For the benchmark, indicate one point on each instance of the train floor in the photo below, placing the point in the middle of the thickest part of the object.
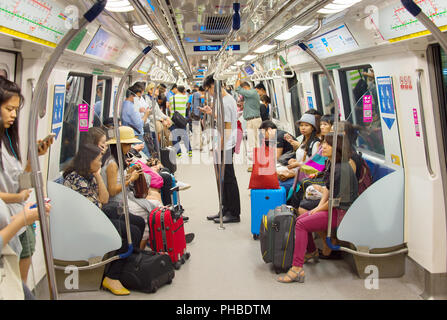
(227, 264)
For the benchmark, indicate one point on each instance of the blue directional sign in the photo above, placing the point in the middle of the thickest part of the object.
(310, 102)
(386, 98)
(58, 109)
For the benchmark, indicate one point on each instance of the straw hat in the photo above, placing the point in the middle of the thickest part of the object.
(127, 135)
(150, 86)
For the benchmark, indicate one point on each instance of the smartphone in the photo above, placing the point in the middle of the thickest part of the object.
(34, 206)
(47, 138)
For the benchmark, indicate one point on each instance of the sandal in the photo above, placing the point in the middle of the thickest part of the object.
(314, 255)
(299, 277)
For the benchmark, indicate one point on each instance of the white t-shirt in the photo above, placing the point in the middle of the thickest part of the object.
(230, 110)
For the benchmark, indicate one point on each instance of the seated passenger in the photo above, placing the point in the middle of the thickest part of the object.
(83, 175)
(271, 132)
(317, 219)
(9, 228)
(306, 147)
(112, 179)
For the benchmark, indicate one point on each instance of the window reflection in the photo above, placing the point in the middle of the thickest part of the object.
(361, 91)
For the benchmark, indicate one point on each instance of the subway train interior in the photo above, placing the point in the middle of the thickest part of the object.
(383, 62)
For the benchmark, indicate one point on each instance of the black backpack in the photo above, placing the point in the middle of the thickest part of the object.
(360, 88)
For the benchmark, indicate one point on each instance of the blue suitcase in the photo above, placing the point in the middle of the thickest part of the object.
(263, 200)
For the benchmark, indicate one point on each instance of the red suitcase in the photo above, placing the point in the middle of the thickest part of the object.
(167, 233)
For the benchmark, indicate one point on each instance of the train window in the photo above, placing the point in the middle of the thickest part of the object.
(78, 89)
(102, 101)
(323, 92)
(357, 84)
(270, 87)
(438, 61)
(294, 91)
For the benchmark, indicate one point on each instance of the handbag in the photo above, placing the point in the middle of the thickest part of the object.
(140, 187)
(179, 120)
(11, 287)
(264, 174)
(284, 158)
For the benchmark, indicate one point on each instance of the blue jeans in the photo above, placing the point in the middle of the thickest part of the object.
(180, 135)
(288, 184)
(145, 150)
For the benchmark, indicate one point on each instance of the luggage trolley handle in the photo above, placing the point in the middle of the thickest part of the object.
(177, 210)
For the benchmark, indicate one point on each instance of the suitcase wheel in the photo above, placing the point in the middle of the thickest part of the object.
(255, 236)
(183, 260)
(177, 265)
(169, 282)
(187, 255)
(277, 271)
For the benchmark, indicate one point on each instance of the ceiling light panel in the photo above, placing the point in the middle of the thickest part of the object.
(338, 6)
(264, 48)
(145, 32)
(119, 6)
(249, 57)
(290, 33)
(162, 49)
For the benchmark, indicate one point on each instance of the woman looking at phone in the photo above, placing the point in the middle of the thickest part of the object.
(112, 179)
(11, 101)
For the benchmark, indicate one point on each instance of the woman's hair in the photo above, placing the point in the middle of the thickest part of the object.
(81, 163)
(329, 118)
(343, 150)
(114, 152)
(94, 135)
(266, 99)
(10, 136)
(351, 133)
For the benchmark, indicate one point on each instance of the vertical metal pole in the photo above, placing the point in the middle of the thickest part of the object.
(39, 100)
(154, 101)
(119, 149)
(334, 146)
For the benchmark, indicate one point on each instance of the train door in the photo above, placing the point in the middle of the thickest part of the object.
(294, 92)
(78, 92)
(8, 65)
(323, 94)
(376, 218)
(102, 101)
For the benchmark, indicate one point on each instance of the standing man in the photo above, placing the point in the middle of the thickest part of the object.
(178, 103)
(252, 115)
(162, 120)
(195, 115)
(132, 118)
(231, 199)
(169, 95)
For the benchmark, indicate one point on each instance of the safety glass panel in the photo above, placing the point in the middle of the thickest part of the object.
(76, 90)
(325, 98)
(361, 103)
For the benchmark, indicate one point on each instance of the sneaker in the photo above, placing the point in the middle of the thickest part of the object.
(183, 186)
(179, 155)
(190, 154)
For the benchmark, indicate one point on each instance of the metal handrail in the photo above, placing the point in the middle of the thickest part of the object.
(36, 174)
(333, 161)
(119, 149)
(423, 124)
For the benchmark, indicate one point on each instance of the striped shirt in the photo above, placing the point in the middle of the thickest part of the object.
(178, 103)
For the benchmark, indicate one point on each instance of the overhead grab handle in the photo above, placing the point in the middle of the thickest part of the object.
(417, 12)
(284, 75)
(39, 99)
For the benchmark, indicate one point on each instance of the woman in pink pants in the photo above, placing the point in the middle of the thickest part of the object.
(345, 188)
